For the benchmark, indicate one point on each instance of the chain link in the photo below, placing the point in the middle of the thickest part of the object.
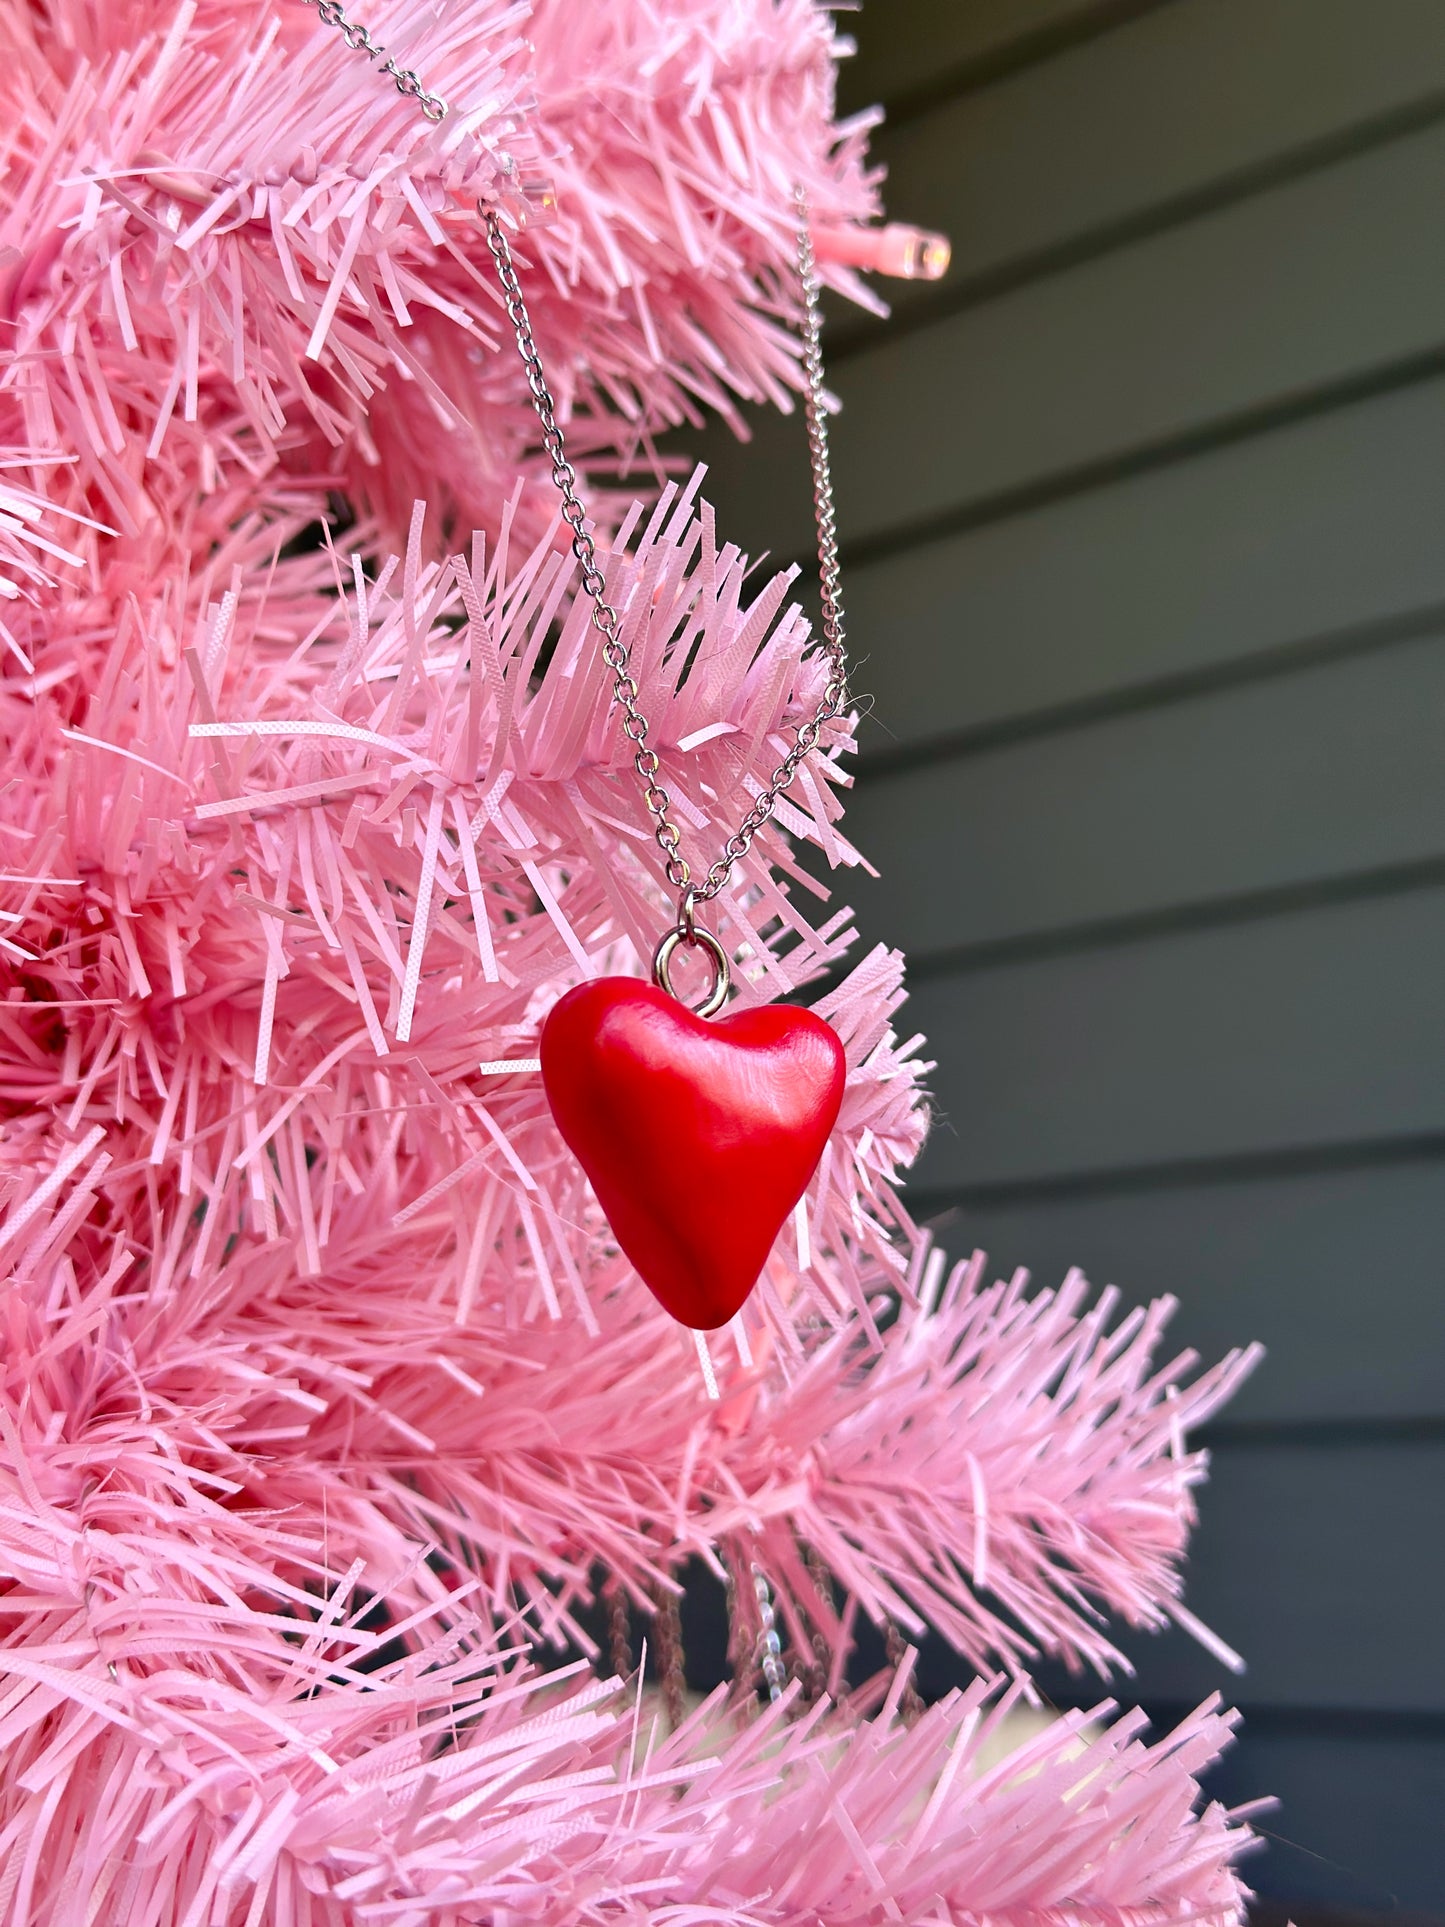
(605, 618)
(770, 1643)
(619, 1633)
(911, 1707)
(358, 38)
(671, 1661)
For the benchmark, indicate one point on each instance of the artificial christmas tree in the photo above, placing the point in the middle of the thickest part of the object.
(330, 1407)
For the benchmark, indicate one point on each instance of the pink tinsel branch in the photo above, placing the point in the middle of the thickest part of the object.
(184, 1747)
(323, 1389)
(357, 880)
(228, 270)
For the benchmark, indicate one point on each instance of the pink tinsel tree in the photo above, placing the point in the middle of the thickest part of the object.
(328, 1413)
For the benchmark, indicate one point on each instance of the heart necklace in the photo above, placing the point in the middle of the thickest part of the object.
(698, 1137)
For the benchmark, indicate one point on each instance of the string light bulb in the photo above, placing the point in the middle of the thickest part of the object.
(897, 249)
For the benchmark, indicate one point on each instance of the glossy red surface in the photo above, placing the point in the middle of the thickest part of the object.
(698, 1137)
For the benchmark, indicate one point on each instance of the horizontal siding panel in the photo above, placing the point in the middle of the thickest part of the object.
(1189, 96)
(907, 44)
(1166, 608)
(1279, 783)
(1335, 1272)
(1297, 288)
(1307, 532)
(1315, 1029)
(1323, 1568)
(1358, 1825)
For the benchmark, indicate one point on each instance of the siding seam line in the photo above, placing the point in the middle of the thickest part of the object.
(936, 1204)
(1230, 189)
(1015, 56)
(1144, 458)
(1178, 919)
(1292, 657)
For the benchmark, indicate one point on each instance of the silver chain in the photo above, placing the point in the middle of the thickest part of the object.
(825, 517)
(359, 39)
(605, 619)
(770, 1644)
(608, 623)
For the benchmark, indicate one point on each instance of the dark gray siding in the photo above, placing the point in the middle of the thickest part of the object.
(1145, 521)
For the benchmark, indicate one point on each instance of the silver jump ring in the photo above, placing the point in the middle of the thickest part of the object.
(696, 940)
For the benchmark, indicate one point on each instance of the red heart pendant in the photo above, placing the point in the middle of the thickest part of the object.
(698, 1137)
